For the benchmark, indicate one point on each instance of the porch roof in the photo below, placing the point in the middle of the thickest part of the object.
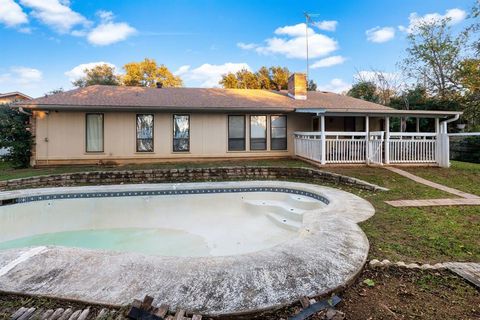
(380, 113)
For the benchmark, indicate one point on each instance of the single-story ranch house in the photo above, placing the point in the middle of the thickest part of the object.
(118, 124)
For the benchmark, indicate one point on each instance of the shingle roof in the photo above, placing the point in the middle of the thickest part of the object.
(120, 97)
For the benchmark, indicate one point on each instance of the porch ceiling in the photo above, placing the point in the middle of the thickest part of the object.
(380, 113)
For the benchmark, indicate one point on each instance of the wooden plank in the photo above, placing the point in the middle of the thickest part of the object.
(305, 302)
(162, 310)
(316, 307)
(84, 314)
(18, 313)
(147, 303)
(26, 315)
(47, 314)
(180, 314)
(68, 312)
(57, 314)
(140, 314)
(75, 315)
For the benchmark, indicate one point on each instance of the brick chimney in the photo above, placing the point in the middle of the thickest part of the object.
(297, 86)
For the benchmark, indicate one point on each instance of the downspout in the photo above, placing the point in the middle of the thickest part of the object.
(443, 124)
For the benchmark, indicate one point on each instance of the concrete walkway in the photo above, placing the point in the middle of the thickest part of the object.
(466, 199)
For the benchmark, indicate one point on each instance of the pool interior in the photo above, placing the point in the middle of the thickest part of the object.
(190, 224)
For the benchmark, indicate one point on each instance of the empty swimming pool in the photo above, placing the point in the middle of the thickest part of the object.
(216, 248)
(192, 222)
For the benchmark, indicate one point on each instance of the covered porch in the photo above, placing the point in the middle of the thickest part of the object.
(366, 137)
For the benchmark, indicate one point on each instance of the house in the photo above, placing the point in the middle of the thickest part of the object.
(118, 124)
(11, 97)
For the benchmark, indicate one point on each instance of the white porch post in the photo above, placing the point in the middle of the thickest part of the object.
(438, 147)
(387, 140)
(418, 125)
(323, 142)
(367, 138)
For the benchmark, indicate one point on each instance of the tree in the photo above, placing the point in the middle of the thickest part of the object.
(54, 91)
(273, 78)
(312, 86)
(469, 78)
(100, 74)
(247, 80)
(15, 136)
(279, 78)
(433, 57)
(365, 90)
(229, 81)
(147, 73)
(264, 78)
(473, 29)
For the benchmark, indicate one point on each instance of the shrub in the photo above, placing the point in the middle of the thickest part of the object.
(15, 136)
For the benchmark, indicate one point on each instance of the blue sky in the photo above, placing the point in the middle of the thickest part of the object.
(46, 42)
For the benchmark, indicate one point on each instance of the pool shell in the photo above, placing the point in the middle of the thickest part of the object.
(327, 252)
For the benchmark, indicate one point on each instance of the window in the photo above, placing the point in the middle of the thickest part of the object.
(278, 137)
(236, 133)
(258, 132)
(144, 132)
(181, 133)
(94, 132)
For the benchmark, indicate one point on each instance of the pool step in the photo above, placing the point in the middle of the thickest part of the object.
(303, 202)
(284, 222)
(280, 208)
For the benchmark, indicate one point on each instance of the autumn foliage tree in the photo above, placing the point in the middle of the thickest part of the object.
(273, 78)
(147, 73)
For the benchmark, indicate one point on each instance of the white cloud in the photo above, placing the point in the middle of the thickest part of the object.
(110, 32)
(326, 25)
(79, 71)
(247, 46)
(328, 62)
(56, 14)
(292, 44)
(208, 75)
(11, 14)
(335, 85)
(22, 76)
(380, 35)
(454, 15)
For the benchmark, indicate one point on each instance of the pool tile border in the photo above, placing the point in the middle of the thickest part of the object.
(114, 194)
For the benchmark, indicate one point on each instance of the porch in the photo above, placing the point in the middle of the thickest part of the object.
(380, 147)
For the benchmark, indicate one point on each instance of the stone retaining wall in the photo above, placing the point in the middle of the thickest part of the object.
(184, 175)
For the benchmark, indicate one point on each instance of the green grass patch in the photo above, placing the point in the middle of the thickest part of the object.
(428, 234)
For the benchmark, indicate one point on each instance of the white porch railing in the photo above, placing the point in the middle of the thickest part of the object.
(414, 147)
(308, 145)
(345, 147)
(362, 147)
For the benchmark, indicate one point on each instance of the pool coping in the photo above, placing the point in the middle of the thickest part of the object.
(344, 209)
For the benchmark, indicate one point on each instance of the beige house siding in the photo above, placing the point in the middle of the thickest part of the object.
(60, 138)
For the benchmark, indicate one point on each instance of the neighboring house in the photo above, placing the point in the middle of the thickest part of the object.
(11, 97)
(117, 125)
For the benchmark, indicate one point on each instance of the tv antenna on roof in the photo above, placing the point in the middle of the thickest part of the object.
(308, 19)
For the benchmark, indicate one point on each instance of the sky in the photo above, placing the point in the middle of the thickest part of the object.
(46, 44)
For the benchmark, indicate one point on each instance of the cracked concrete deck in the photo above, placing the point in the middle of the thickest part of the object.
(327, 253)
